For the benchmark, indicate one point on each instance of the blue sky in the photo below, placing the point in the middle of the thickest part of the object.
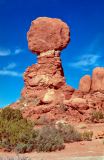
(85, 51)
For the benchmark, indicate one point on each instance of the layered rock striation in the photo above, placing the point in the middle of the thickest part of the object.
(45, 79)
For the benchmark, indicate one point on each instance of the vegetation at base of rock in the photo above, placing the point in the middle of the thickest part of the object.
(96, 116)
(69, 133)
(49, 139)
(10, 114)
(16, 133)
(87, 135)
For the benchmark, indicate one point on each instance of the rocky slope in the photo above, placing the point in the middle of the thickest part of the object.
(45, 96)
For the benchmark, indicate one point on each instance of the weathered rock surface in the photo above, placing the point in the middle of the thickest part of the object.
(85, 83)
(45, 80)
(47, 34)
(98, 79)
(46, 103)
(45, 96)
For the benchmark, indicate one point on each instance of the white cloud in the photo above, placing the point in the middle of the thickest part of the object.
(10, 66)
(91, 56)
(86, 61)
(10, 73)
(18, 50)
(5, 52)
(8, 52)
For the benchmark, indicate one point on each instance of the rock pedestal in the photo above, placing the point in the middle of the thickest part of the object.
(45, 79)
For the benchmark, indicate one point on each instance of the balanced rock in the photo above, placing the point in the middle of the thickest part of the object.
(98, 79)
(45, 80)
(45, 89)
(47, 34)
(45, 95)
(85, 83)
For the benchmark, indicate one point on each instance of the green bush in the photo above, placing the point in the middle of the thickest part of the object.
(16, 133)
(87, 135)
(49, 139)
(96, 116)
(69, 133)
(10, 114)
(21, 148)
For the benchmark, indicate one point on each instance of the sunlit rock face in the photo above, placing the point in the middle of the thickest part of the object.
(46, 96)
(85, 84)
(46, 37)
(47, 34)
(98, 79)
(46, 78)
(44, 82)
(94, 83)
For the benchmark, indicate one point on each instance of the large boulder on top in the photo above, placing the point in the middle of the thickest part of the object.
(47, 34)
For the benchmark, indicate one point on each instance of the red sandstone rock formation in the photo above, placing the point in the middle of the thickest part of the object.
(94, 84)
(85, 83)
(45, 89)
(45, 96)
(98, 79)
(47, 34)
(45, 80)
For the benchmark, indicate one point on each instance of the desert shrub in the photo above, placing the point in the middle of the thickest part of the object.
(49, 139)
(69, 133)
(10, 114)
(96, 116)
(87, 135)
(24, 147)
(16, 133)
(21, 147)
